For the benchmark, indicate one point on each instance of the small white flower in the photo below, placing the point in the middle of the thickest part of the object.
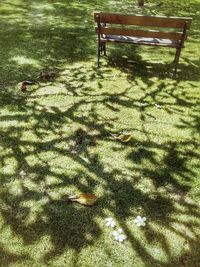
(74, 151)
(115, 233)
(140, 221)
(157, 105)
(110, 222)
(22, 173)
(143, 104)
(119, 236)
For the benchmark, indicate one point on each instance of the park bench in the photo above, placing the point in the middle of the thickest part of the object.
(118, 28)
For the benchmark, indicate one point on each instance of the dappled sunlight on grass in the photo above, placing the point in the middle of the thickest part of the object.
(21, 60)
(150, 175)
(56, 140)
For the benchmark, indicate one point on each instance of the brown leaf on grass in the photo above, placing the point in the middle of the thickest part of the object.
(86, 199)
(23, 85)
(124, 138)
(47, 75)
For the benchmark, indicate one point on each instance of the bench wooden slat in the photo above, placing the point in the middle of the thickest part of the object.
(141, 33)
(139, 42)
(168, 22)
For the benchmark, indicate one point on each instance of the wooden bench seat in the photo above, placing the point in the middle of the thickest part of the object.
(173, 31)
(140, 40)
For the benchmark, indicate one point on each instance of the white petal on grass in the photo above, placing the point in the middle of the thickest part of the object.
(118, 235)
(157, 105)
(115, 233)
(110, 222)
(140, 221)
(121, 238)
(22, 173)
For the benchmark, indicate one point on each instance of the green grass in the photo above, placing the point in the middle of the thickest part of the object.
(155, 175)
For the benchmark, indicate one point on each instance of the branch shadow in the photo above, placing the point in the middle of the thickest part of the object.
(57, 142)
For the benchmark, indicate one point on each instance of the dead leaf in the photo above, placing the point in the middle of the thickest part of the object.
(123, 137)
(86, 199)
(23, 85)
(47, 75)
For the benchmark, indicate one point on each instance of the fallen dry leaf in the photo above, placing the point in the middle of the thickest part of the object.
(86, 199)
(23, 85)
(47, 75)
(122, 137)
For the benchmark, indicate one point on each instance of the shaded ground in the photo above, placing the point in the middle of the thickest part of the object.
(55, 140)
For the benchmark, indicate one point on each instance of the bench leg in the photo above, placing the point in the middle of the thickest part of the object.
(104, 49)
(101, 50)
(176, 61)
(98, 55)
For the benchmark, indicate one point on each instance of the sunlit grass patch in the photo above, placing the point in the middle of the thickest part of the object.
(57, 140)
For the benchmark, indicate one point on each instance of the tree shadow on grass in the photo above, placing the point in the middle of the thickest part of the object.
(129, 60)
(33, 207)
(43, 38)
(51, 145)
(8, 258)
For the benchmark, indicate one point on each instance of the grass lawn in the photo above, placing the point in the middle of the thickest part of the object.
(55, 140)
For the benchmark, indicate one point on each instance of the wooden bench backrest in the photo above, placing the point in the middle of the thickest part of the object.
(140, 20)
